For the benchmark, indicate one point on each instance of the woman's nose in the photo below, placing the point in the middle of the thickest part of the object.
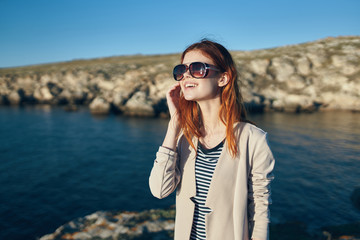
(187, 74)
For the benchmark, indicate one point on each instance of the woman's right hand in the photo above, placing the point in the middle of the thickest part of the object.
(173, 98)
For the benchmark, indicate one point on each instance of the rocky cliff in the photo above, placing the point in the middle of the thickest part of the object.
(320, 75)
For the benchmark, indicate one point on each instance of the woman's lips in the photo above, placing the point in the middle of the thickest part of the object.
(188, 85)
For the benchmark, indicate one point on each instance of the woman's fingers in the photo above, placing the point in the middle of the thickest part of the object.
(172, 97)
(174, 93)
(175, 89)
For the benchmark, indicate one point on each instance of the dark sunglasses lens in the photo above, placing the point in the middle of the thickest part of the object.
(179, 71)
(197, 70)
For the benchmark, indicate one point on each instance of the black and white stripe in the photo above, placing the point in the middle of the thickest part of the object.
(205, 164)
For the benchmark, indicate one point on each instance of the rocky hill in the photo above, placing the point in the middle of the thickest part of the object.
(320, 75)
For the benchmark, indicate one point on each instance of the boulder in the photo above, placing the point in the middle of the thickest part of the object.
(340, 101)
(161, 85)
(139, 105)
(106, 85)
(295, 82)
(43, 94)
(99, 106)
(14, 98)
(65, 97)
(344, 64)
(293, 103)
(79, 96)
(27, 84)
(69, 80)
(303, 66)
(259, 66)
(282, 69)
(119, 98)
(316, 60)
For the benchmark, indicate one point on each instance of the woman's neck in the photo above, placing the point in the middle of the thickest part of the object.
(214, 130)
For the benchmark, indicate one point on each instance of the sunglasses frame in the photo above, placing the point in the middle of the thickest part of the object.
(187, 67)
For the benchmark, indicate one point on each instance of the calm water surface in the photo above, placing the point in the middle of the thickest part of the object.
(56, 166)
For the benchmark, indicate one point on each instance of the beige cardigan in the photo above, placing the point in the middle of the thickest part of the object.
(239, 192)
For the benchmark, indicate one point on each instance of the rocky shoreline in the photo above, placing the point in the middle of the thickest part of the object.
(308, 77)
(149, 224)
(159, 224)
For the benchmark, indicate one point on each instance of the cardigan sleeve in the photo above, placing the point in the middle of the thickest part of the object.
(261, 167)
(165, 174)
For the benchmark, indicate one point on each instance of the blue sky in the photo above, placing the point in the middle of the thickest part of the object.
(43, 31)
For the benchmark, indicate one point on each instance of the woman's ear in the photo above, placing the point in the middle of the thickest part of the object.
(224, 79)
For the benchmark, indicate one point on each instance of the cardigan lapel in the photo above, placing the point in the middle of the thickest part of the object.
(216, 178)
(190, 169)
(223, 175)
(192, 161)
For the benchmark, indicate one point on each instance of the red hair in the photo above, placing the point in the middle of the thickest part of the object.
(231, 110)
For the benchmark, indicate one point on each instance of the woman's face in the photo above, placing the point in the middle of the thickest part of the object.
(200, 89)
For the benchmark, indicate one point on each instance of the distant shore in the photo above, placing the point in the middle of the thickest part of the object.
(316, 76)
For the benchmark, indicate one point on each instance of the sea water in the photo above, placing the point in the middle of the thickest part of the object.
(56, 166)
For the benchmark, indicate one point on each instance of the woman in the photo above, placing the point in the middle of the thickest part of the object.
(219, 163)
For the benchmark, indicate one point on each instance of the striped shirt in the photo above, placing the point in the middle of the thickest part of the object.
(205, 163)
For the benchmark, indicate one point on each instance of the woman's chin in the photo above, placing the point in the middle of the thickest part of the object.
(189, 97)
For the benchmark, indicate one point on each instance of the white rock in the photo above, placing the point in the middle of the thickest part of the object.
(70, 80)
(133, 75)
(93, 216)
(315, 59)
(333, 79)
(303, 66)
(43, 94)
(163, 82)
(344, 64)
(283, 69)
(351, 88)
(169, 225)
(65, 94)
(14, 98)
(274, 93)
(81, 236)
(26, 83)
(259, 66)
(44, 79)
(106, 85)
(297, 100)
(105, 233)
(153, 226)
(139, 105)
(120, 230)
(340, 101)
(99, 106)
(295, 82)
(310, 91)
(292, 103)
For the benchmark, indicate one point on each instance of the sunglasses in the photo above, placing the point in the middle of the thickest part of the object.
(196, 69)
